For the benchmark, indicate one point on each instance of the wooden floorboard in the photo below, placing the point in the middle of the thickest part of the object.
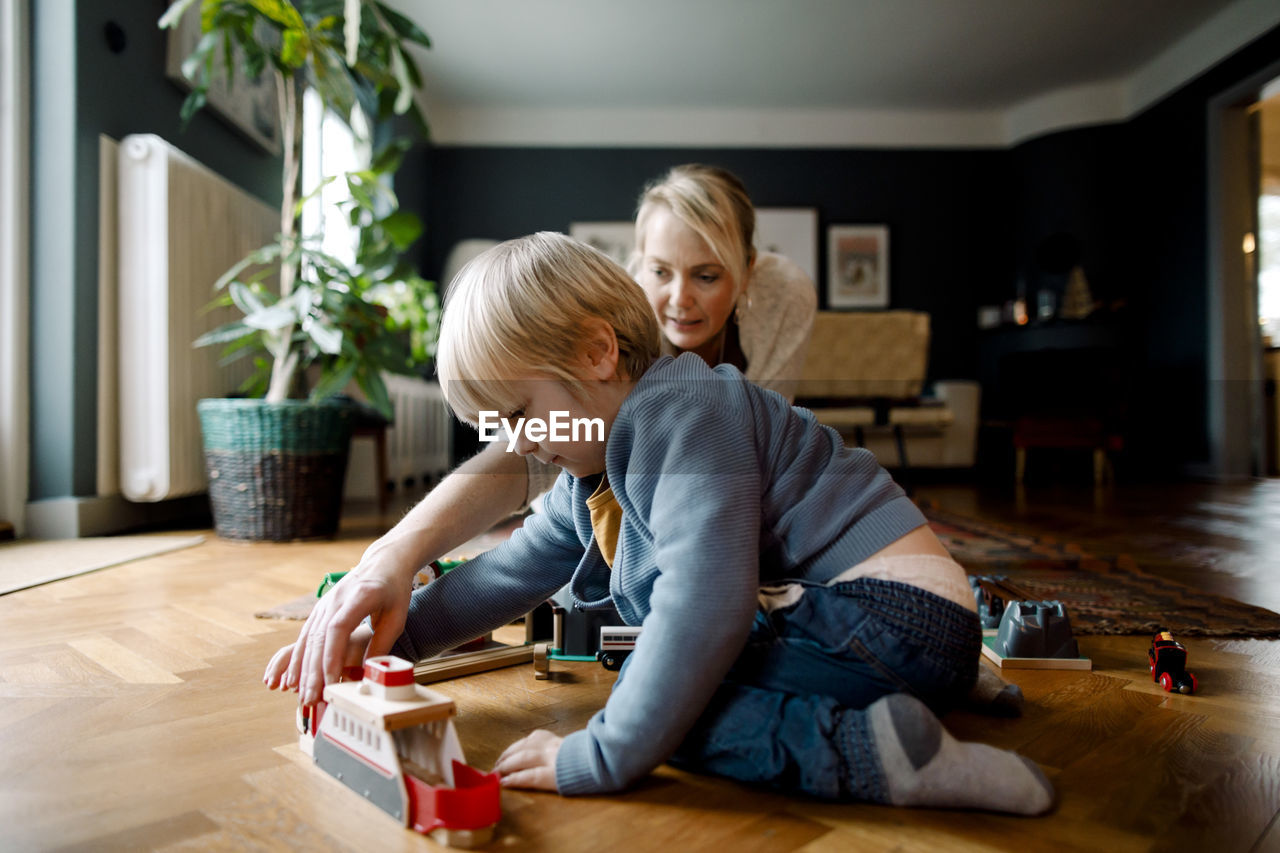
(132, 715)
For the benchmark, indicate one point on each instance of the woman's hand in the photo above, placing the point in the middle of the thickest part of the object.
(530, 762)
(352, 665)
(482, 491)
(376, 588)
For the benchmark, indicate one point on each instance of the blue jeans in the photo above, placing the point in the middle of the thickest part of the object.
(790, 713)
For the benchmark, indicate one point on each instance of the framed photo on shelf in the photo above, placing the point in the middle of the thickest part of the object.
(615, 239)
(858, 266)
(248, 105)
(791, 232)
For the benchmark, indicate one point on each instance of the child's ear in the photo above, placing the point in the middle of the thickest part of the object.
(599, 349)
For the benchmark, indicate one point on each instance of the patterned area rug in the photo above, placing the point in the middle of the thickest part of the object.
(1103, 594)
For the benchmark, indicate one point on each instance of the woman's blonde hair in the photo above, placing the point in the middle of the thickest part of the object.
(711, 201)
(522, 309)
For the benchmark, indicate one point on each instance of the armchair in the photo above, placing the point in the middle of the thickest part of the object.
(865, 374)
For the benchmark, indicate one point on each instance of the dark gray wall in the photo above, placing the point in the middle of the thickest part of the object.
(947, 211)
(81, 88)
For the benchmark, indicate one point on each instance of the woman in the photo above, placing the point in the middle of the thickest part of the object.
(721, 301)
(712, 295)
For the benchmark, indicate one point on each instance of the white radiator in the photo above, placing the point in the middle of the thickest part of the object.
(419, 445)
(181, 226)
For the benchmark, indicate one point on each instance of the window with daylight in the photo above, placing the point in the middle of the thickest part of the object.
(1268, 247)
(329, 147)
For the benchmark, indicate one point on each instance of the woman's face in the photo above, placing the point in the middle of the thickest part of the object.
(691, 292)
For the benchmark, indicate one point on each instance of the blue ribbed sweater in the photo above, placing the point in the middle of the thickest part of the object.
(723, 486)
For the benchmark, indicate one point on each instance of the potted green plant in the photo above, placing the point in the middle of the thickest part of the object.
(312, 323)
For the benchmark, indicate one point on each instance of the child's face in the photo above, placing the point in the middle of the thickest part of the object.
(691, 292)
(541, 397)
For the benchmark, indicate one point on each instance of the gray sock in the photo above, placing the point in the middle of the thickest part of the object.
(991, 694)
(925, 766)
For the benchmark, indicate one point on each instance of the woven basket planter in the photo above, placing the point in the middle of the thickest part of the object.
(275, 469)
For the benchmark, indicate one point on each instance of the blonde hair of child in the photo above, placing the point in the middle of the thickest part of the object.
(520, 310)
(712, 202)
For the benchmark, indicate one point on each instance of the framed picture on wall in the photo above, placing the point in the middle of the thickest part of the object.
(615, 239)
(249, 105)
(858, 266)
(792, 232)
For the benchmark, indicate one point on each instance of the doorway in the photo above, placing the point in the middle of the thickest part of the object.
(1239, 410)
(1266, 247)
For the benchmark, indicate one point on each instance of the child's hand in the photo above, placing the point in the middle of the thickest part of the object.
(276, 667)
(530, 762)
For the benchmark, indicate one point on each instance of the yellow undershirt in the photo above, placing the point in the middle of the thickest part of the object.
(606, 519)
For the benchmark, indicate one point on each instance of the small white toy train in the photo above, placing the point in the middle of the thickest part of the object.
(616, 642)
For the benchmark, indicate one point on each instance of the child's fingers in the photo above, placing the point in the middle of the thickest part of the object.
(523, 767)
(513, 758)
(519, 756)
(276, 667)
(535, 778)
(538, 749)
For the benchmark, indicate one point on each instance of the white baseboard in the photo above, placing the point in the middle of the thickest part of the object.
(75, 518)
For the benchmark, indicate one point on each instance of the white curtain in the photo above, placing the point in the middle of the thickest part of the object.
(14, 404)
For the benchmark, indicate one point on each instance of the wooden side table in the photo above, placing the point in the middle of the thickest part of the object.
(1066, 433)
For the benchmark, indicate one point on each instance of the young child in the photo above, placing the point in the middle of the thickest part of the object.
(800, 619)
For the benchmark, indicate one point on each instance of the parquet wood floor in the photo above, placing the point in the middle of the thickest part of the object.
(132, 716)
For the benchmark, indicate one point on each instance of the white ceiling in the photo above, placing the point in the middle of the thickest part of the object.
(819, 72)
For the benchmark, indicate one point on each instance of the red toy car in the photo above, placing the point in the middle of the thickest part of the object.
(1168, 659)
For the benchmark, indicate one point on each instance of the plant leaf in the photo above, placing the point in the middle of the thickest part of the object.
(361, 194)
(302, 299)
(402, 227)
(223, 334)
(245, 299)
(199, 57)
(247, 344)
(327, 338)
(334, 378)
(174, 13)
(332, 80)
(294, 48)
(192, 105)
(388, 160)
(403, 27)
(256, 384)
(273, 318)
(265, 255)
(404, 97)
(280, 11)
(370, 382)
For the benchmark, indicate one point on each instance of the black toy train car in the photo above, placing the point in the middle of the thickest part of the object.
(1168, 660)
